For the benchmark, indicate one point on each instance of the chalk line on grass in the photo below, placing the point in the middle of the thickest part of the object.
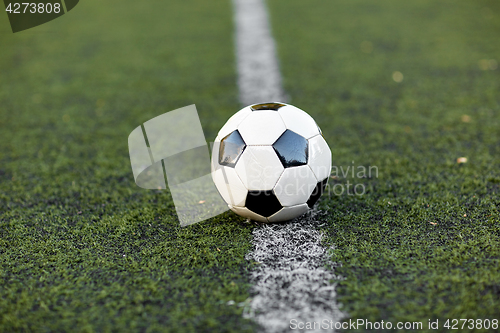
(259, 78)
(291, 280)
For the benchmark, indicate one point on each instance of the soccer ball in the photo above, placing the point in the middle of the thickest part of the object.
(270, 162)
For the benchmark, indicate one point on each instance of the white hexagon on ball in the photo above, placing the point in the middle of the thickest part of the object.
(289, 213)
(295, 185)
(299, 121)
(261, 128)
(234, 121)
(259, 168)
(230, 186)
(320, 157)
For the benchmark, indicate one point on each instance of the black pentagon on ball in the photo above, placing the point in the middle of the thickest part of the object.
(231, 148)
(267, 106)
(291, 149)
(263, 203)
(318, 191)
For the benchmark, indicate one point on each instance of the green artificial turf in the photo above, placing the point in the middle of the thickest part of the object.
(82, 248)
(423, 241)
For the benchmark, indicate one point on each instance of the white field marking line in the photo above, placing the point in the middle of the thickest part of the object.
(259, 78)
(291, 280)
